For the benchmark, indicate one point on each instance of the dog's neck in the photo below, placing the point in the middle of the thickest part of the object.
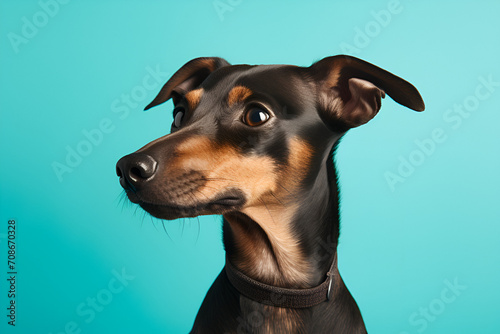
(288, 244)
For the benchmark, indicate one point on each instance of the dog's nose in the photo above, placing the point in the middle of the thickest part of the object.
(134, 169)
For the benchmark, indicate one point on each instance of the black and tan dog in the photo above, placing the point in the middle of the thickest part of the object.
(255, 144)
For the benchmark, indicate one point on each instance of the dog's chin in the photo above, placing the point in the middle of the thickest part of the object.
(228, 202)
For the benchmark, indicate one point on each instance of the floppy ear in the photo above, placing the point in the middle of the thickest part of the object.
(350, 91)
(187, 78)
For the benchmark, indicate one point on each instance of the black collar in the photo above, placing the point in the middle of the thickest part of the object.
(281, 297)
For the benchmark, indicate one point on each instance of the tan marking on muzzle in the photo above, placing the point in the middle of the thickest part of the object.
(238, 94)
(224, 168)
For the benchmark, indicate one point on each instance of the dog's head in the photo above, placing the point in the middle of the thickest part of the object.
(251, 136)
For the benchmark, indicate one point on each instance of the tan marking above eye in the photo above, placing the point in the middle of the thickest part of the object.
(238, 94)
(193, 98)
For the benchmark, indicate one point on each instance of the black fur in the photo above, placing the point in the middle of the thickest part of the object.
(293, 96)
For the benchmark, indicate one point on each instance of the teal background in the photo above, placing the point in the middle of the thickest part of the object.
(400, 248)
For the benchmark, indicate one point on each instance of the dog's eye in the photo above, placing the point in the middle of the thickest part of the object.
(256, 116)
(178, 115)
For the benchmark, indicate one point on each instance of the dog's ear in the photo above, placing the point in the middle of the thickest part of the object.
(187, 78)
(350, 91)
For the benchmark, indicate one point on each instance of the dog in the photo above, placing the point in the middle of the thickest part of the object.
(255, 144)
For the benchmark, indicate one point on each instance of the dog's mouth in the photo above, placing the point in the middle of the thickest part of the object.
(230, 200)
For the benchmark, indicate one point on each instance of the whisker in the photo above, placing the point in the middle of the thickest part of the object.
(199, 191)
(183, 223)
(166, 232)
(276, 197)
(199, 228)
(144, 214)
(122, 200)
(279, 184)
(263, 202)
(119, 197)
(218, 179)
(153, 223)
